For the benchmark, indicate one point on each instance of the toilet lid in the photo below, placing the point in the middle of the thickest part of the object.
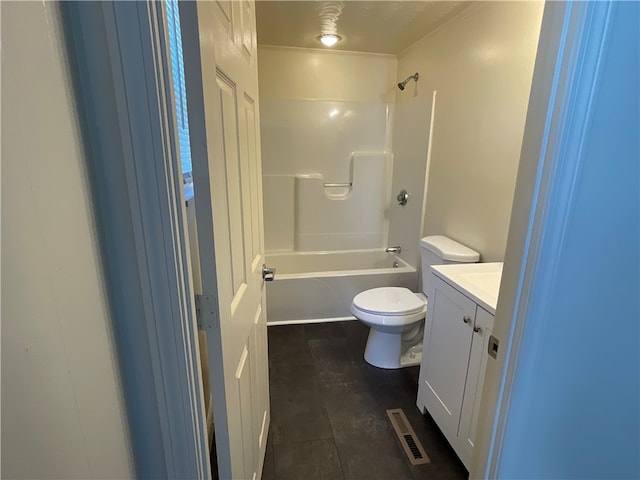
(389, 300)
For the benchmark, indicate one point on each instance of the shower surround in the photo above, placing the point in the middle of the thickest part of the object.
(327, 171)
(327, 123)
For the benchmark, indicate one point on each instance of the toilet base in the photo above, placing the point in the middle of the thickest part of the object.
(384, 350)
(411, 358)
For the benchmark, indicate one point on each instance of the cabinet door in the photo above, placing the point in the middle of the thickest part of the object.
(473, 389)
(447, 342)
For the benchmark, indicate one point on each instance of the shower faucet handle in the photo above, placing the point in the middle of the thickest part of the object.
(397, 249)
(403, 197)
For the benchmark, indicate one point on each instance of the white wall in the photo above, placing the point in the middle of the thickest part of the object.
(325, 118)
(62, 406)
(481, 65)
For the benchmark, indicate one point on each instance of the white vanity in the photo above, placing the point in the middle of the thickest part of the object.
(461, 308)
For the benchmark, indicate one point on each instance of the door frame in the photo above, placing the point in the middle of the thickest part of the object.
(573, 39)
(120, 63)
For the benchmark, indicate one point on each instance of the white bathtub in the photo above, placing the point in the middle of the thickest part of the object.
(319, 286)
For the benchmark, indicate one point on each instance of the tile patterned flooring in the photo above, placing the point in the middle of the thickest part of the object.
(328, 405)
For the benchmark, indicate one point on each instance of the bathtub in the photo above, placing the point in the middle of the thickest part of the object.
(314, 287)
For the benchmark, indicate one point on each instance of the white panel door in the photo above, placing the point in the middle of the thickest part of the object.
(447, 340)
(222, 97)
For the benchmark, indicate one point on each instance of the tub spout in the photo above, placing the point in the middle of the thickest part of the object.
(393, 249)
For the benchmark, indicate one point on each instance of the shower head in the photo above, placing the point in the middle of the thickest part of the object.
(401, 85)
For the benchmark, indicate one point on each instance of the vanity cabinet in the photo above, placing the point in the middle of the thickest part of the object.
(457, 329)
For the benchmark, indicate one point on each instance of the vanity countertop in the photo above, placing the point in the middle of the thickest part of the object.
(480, 281)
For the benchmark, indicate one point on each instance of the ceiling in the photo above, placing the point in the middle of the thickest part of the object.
(365, 26)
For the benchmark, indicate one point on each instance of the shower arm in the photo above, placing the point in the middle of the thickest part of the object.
(415, 77)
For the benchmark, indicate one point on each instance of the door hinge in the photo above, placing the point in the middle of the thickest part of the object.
(206, 311)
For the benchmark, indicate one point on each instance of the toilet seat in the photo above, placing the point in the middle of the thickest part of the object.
(389, 301)
(389, 306)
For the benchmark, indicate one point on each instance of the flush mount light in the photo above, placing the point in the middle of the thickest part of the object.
(329, 39)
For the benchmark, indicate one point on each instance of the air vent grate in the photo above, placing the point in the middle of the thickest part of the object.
(415, 451)
(407, 437)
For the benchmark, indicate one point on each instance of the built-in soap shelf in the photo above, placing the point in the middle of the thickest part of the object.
(332, 191)
(337, 191)
(360, 165)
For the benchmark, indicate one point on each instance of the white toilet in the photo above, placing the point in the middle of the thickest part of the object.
(395, 315)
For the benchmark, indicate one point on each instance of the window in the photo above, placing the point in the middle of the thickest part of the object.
(180, 94)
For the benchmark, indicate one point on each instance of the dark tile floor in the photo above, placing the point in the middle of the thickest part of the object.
(328, 407)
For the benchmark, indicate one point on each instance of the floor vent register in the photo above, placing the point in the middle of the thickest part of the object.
(407, 437)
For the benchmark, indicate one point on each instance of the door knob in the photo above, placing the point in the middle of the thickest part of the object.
(476, 329)
(268, 274)
(466, 319)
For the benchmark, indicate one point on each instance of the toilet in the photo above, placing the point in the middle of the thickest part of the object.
(395, 315)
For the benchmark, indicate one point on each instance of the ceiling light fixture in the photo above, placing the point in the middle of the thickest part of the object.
(329, 39)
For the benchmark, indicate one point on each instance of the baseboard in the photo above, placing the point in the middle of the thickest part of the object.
(309, 320)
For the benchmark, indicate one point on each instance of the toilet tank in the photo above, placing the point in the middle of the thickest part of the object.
(441, 250)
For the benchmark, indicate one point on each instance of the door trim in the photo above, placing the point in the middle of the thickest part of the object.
(573, 38)
(123, 87)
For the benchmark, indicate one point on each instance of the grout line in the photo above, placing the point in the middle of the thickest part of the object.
(344, 475)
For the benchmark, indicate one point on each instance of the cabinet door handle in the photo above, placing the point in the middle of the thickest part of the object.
(466, 319)
(476, 329)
